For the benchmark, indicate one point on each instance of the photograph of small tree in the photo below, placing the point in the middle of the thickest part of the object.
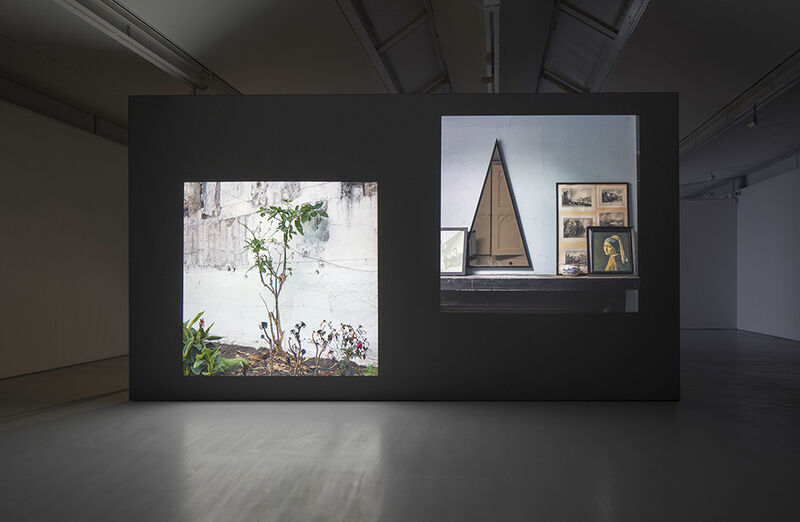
(287, 275)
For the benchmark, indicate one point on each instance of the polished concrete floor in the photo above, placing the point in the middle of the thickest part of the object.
(729, 450)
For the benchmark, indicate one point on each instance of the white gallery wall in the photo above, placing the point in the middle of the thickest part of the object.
(64, 238)
(708, 263)
(538, 151)
(768, 246)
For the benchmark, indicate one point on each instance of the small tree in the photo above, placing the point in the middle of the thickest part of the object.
(270, 253)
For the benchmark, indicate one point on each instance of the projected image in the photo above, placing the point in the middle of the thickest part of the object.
(527, 189)
(280, 279)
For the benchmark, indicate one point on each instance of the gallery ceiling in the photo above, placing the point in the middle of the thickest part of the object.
(711, 52)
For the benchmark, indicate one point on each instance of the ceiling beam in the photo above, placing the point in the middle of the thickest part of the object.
(780, 79)
(587, 19)
(611, 52)
(46, 105)
(440, 79)
(138, 36)
(354, 18)
(404, 32)
(711, 188)
(491, 26)
(559, 81)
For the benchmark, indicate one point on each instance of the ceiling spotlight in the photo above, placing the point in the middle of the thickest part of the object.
(754, 120)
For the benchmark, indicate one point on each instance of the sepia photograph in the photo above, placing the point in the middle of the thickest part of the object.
(615, 218)
(612, 195)
(575, 256)
(574, 227)
(576, 197)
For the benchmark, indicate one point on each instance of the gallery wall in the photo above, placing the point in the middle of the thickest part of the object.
(64, 267)
(708, 263)
(396, 141)
(768, 248)
(539, 151)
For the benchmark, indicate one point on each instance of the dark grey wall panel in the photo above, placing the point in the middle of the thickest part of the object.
(395, 140)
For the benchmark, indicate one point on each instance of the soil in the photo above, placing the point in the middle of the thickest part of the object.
(259, 364)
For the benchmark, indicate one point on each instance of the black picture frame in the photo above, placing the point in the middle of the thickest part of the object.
(595, 209)
(464, 254)
(597, 234)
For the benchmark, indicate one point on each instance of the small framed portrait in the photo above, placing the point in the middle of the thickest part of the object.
(453, 251)
(610, 250)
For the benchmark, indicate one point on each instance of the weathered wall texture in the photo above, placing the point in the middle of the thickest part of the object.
(335, 263)
(64, 237)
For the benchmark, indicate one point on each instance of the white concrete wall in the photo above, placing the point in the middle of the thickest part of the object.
(335, 264)
(768, 246)
(538, 151)
(64, 237)
(708, 263)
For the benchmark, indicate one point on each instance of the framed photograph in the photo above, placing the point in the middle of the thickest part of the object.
(453, 251)
(612, 195)
(575, 256)
(574, 227)
(610, 250)
(583, 205)
(611, 218)
(578, 197)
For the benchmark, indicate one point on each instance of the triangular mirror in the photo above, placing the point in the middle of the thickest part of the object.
(495, 238)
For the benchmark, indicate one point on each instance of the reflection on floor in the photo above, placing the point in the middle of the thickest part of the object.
(727, 451)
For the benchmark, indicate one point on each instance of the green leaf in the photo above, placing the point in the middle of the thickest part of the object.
(323, 213)
(299, 227)
(319, 204)
(186, 346)
(213, 338)
(196, 317)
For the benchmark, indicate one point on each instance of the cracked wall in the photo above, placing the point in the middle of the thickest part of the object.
(335, 263)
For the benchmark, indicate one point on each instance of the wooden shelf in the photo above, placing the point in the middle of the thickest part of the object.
(538, 283)
(536, 293)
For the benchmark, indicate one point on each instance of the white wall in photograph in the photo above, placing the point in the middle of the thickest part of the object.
(538, 152)
(335, 263)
